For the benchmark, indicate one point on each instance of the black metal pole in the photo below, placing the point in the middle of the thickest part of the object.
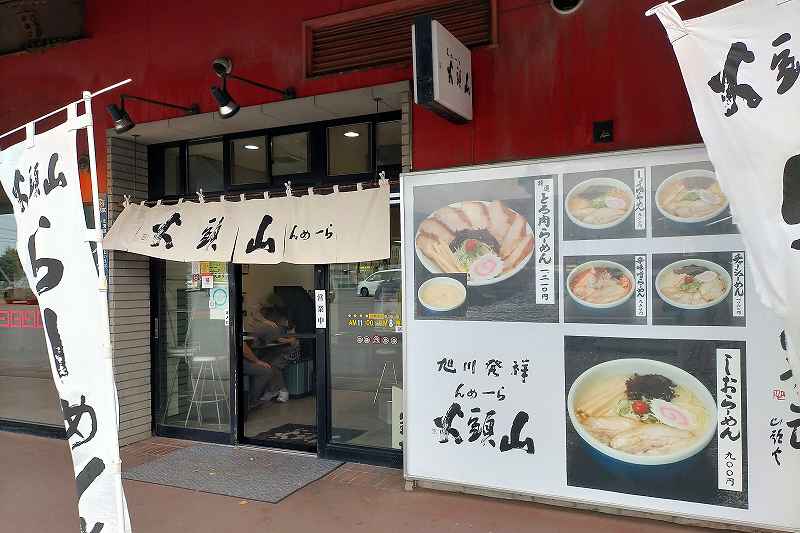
(193, 109)
(287, 93)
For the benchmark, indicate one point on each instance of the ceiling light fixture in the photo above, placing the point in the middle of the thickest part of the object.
(123, 121)
(351, 134)
(251, 147)
(228, 107)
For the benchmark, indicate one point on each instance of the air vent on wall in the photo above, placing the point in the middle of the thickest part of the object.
(381, 34)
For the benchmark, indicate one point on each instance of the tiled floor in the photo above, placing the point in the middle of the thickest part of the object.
(354, 498)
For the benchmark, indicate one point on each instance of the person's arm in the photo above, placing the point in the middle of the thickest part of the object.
(250, 356)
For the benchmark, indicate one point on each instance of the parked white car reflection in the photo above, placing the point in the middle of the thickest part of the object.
(371, 284)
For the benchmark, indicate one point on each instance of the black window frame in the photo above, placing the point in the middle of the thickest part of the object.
(316, 176)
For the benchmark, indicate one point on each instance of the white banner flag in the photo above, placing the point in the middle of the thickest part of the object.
(40, 178)
(341, 227)
(741, 72)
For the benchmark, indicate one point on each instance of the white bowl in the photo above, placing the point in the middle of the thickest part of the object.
(699, 262)
(446, 281)
(599, 181)
(688, 174)
(628, 367)
(599, 263)
(433, 268)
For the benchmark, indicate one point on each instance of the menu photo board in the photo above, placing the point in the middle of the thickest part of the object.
(580, 329)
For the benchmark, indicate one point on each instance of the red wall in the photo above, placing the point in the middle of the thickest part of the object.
(167, 48)
(536, 92)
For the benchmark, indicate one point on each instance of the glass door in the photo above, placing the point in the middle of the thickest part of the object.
(366, 354)
(278, 357)
(192, 350)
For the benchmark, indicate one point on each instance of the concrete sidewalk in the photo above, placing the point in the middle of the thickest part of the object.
(37, 494)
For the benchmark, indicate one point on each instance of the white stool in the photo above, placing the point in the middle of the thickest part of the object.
(207, 366)
(175, 356)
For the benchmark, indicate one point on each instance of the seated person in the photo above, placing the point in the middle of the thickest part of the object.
(267, 354)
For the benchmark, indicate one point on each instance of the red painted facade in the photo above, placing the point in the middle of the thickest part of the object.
(537, 91)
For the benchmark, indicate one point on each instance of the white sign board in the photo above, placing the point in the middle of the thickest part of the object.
(320, 309)
(442, 70)
(644, 383)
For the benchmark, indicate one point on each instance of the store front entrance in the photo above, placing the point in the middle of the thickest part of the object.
(238, 357)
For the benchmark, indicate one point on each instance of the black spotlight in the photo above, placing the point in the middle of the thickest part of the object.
(223, 68)
(122, 121)
(227, 105)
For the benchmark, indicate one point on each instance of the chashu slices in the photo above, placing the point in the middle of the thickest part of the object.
(499, 219)
(477, 213)
(454, 219)
(434, 239)
(516, 232)
(520, 252)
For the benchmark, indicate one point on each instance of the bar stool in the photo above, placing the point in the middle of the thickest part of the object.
(387, 363)
(176, 356)
(207, 368)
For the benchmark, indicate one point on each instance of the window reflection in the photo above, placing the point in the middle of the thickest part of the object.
(193, 353)
(366, 347)
(388, 143)
(348, 149)
(205, 167)
(172, 170)
(27, 393)
(249, 160)
(290, 154)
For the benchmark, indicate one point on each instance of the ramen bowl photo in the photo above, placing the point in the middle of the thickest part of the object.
(487, 241)
(691, 196)
(442, 294)
(693, 284)
(599, 203)
(642, 411)
(600, 284)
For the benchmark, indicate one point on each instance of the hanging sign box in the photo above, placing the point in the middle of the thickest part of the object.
(442, 70)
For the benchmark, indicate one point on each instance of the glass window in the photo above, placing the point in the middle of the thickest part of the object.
(205, 167)
(348, 149)
(249, 160)
(388, 144)
(290, 154)
(366, 356)
(172, 170)
(193, 353)
(27, 392)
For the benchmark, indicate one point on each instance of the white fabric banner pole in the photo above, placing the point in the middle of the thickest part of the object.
(41, 179)
(102, 281)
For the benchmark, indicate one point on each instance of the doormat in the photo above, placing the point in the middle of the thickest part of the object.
(245, 473)
(305, 435)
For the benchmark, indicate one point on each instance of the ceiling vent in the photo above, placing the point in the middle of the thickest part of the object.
(381, 34)
(27, 25)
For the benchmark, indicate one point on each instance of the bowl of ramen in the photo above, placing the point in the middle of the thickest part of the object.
(487, 241)
(642, 412)
(600, 284)
(599, 203)
(442, 294)
(691, 196)
(693, 284)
